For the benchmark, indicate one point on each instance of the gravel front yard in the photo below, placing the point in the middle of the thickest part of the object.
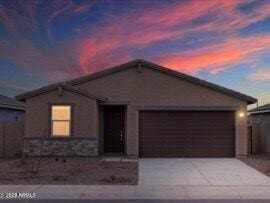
(83, 170)
(260, 163)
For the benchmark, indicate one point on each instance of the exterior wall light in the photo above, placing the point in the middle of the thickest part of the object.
(241, 114)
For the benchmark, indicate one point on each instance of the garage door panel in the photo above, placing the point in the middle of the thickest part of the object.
(187, 134)
(166, 154)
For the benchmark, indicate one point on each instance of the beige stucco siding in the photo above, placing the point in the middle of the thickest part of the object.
(153, 88)
(84, 114)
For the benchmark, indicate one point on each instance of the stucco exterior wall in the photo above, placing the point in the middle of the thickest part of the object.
(84, 114)
(153, 88)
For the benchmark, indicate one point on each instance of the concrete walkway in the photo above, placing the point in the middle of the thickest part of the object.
(198, 172)
(141, 192)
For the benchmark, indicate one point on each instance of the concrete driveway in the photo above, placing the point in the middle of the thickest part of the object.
(198, 171)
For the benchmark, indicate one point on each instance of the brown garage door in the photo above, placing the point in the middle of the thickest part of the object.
(187, 133)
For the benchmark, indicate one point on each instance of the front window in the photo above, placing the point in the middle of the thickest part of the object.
(60, 120)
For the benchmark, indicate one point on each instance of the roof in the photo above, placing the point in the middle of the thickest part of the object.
(261, 109)
(134, 63)
(138, 63)
(10, 103)
(65, 86)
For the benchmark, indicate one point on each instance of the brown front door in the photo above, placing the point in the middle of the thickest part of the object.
(114, 129)
(187, 134)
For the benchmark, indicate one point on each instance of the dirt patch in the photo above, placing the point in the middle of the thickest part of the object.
(69, 170)
(259, 162)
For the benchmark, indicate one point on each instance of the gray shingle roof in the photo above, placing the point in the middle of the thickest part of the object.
(7, 102)
(150, 65)
(140, 62)
(260, 109)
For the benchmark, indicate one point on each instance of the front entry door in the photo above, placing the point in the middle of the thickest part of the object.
(114, 129)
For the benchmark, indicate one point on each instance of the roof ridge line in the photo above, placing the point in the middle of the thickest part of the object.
(154, 66)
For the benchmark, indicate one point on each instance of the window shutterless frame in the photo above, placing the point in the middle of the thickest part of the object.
(51, 121)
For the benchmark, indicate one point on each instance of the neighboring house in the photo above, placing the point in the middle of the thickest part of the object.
(137, 109)
(259, 129)
(11, 127)
(11, 110)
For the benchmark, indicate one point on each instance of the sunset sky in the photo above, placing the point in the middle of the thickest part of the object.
(222, 41)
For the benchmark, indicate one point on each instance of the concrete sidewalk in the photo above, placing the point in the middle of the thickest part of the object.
(141, 192)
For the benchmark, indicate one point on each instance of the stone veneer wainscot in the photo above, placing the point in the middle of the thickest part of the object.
(61, 147)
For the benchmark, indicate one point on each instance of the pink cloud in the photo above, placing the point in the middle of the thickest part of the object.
(215, 58)
(180, 12)
(140, 29)
(260, 75)
(119, 38)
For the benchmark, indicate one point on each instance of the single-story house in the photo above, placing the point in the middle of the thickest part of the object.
(139, 109)
(11, 110)
(259, 129)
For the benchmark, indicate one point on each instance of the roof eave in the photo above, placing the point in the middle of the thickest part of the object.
(259, 112)
(23, 97)
(11, 107)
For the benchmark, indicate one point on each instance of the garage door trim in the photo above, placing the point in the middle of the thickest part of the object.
(187, 108)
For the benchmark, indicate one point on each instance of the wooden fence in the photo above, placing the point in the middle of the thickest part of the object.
(259, 134)
(11, 139)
